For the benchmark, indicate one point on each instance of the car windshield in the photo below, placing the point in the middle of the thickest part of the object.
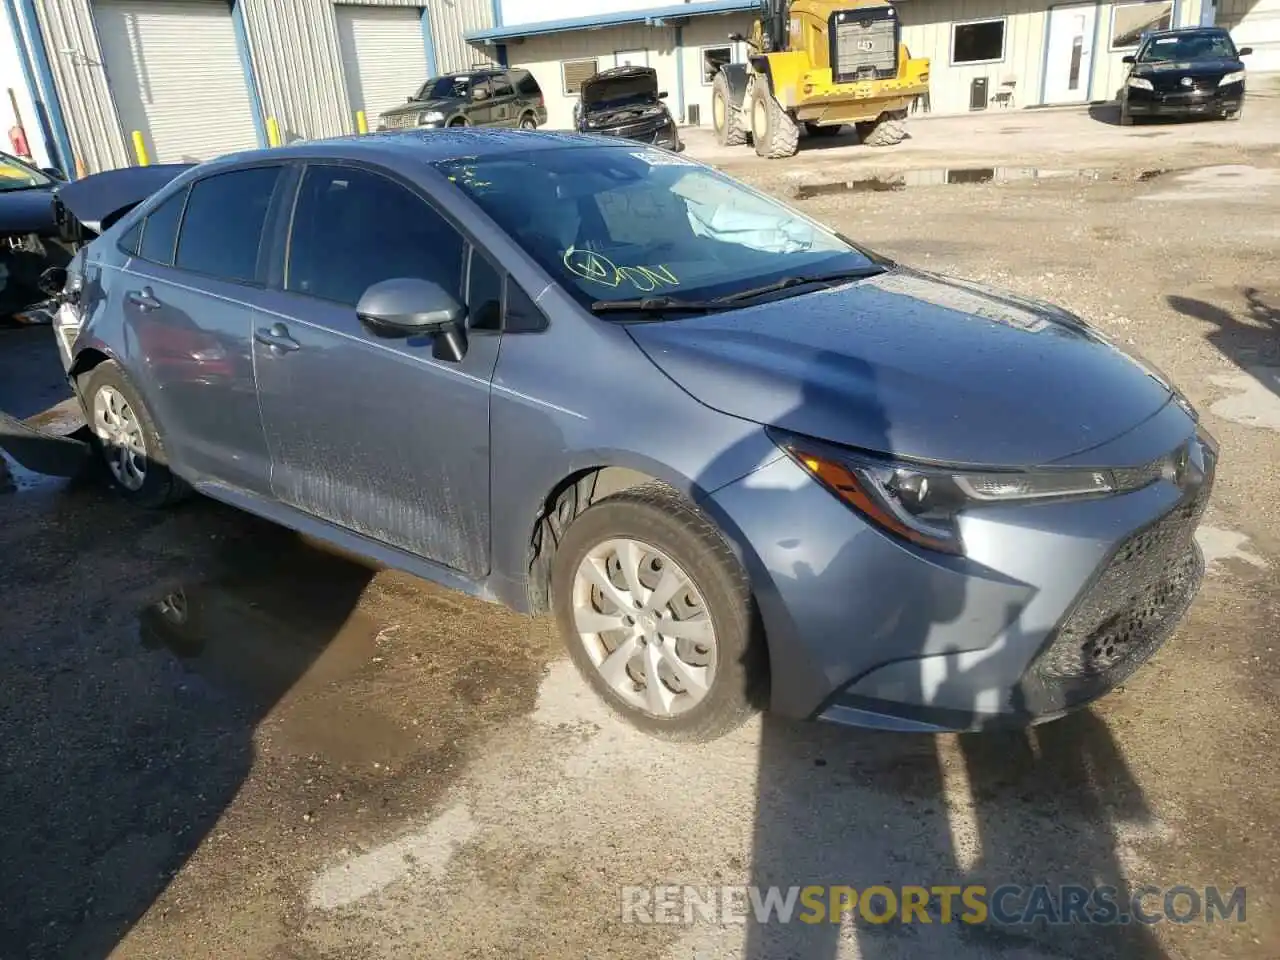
(620, 223)
(443, 88)
(16, 175)
(1192, 46)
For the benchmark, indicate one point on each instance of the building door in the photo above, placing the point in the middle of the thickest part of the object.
(176, 76)
(1069, 63)
(384, 57)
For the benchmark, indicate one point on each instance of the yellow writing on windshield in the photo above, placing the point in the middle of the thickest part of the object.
(598, 268)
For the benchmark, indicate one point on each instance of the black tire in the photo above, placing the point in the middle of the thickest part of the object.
(656, 515)
(458, 122)
(1237, 114)
(888, 131)
(160, 487)
(1126, 118)
(528, 122)
(815, 130)
(729, 132)
(780, 136)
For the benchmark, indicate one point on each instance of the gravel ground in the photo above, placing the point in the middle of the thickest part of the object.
(222, 740)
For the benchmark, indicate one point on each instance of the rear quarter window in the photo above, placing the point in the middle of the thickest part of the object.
(527, 85)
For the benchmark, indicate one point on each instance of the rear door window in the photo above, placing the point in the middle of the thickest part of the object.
(160, 230)
(222, 227)
(353, 228)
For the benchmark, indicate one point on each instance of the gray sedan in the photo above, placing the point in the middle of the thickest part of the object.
(743, 460)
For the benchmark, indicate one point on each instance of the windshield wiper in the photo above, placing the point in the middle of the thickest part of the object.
(861, 273)
(660, 305)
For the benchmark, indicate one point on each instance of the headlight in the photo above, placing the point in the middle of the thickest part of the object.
(922, 504)
(1140, 83)
(1236, 76)
(430, 116)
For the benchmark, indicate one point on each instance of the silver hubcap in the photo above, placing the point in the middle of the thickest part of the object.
(645, 627)
(123, 444)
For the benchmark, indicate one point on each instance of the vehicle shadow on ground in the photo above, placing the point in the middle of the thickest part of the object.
(861, 810)
(140, 652)
(1249, 338)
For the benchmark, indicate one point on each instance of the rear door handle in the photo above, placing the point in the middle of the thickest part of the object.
(143, 299)
(277, 338)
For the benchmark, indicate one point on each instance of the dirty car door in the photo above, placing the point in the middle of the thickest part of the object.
(188, 300)
(373, 433)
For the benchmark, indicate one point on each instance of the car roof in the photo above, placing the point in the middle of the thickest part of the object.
(428, 146)
(1186, 31)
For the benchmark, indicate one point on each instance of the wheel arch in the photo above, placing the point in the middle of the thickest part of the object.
(580, 488)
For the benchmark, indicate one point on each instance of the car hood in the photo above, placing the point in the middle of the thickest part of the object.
(443, 104)
(615, 87)
(915, 365)
(98, 200)
(1188, 68)
(27, 211)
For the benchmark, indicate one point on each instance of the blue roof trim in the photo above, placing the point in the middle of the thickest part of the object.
(649, 15)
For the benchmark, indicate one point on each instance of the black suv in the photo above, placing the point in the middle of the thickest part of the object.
(472, 98)
(625, 102)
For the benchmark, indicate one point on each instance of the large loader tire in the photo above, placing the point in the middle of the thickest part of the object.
(775, 133)
(726, 119)
(885, 132)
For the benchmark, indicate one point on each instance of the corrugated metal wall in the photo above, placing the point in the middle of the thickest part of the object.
(71, 41)
(296, 59)
(450, 19)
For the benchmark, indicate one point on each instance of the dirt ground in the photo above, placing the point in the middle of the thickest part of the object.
(220, 740)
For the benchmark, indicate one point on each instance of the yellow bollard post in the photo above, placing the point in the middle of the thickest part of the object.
(362, 125)
(140, 148)
(273, 132)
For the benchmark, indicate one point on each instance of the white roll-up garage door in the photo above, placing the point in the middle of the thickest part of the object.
(1256, 24)
(176, 75)
(384, 57)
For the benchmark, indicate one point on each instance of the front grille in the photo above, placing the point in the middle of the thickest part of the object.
(400, 121)
(1173, 84)
(1124, 617)
(864, 49)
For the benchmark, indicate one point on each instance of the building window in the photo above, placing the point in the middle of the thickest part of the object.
(979, 41)
(713, 58)
(576, 72)
(1129, 21)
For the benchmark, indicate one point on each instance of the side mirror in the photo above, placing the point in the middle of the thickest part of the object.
(662, 95)
(1244, 51)
(737, 37)
(408, 306)
(53, 173)
(1129, 58)
(52, 281)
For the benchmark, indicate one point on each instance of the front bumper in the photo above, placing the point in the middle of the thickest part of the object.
(1054, 605)
(1218, 101)
(664, 134)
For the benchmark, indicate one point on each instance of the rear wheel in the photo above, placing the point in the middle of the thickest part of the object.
(528, 122)
(726, 120)
(817, 130)
(887, 131)
(458, 122)
(773, 130)
(658, 616)
(126, 439)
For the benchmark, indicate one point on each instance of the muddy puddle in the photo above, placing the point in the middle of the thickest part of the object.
(15, 478)
(879, 183)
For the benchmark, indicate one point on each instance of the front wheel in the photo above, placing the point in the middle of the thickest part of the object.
(773, 131)
(725, 118)
(658, 616)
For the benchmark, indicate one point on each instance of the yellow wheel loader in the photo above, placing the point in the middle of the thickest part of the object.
(821, 64)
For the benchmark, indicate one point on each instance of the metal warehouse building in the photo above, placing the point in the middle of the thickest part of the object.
(202, 77)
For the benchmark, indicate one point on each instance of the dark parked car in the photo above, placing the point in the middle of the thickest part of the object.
(625, 102)
(472, 98)
(1184, 73)
(743, 459)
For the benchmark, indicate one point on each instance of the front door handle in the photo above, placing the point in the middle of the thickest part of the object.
(143, 299)
(277, 338)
